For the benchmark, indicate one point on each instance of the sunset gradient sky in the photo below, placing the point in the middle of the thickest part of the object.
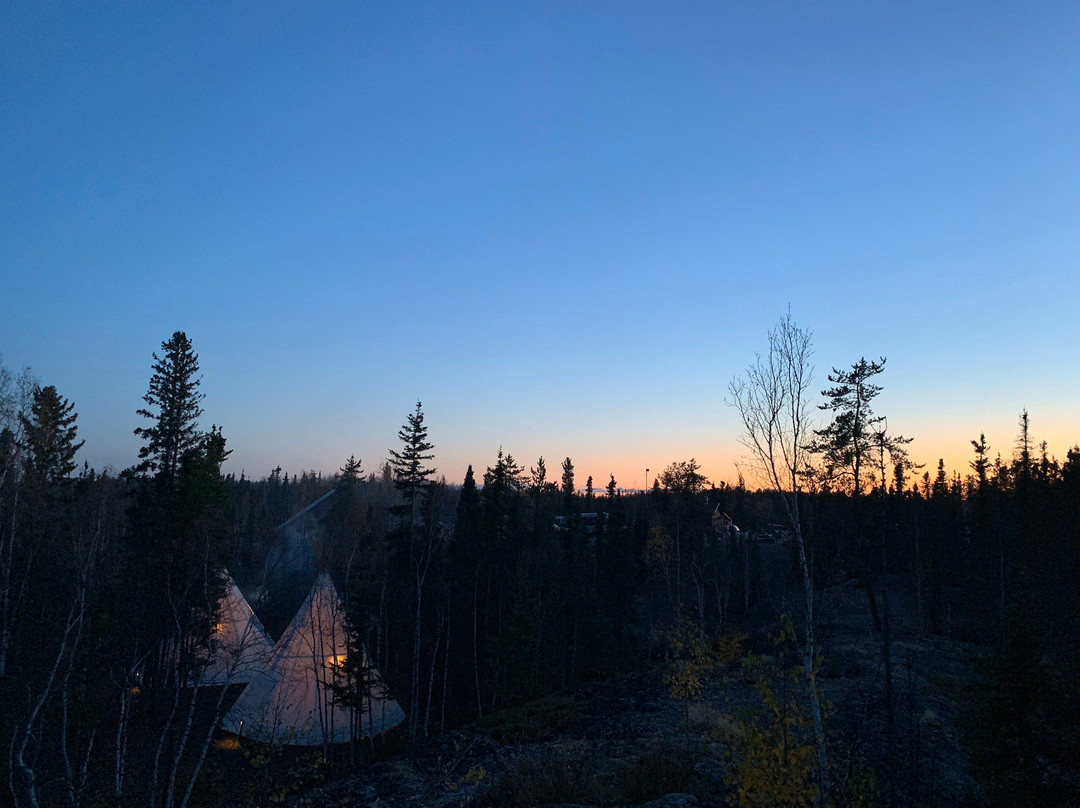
(563, 226)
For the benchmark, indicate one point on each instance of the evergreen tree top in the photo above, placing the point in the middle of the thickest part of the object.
(407, 465)
(568, 477)
(351, 472)
(174, 405)
(50, 437)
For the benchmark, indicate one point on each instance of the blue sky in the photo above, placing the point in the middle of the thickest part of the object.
(564, 227)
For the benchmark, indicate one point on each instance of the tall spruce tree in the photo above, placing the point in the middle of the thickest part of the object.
(180, 533)
(174, 406)
(49, 437)
(568, 484)
(412, 478)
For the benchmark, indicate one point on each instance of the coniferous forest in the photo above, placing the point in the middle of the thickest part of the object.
(841, 627)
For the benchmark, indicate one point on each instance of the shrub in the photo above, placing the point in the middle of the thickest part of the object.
(776, 756)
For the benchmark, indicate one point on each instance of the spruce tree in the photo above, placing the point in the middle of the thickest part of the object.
(173, 401)
(468, 512)
(351, 473)
(49, 437)
(568, 484)
(412, 480)
(180, 533)
(411, 476)
(538, 477)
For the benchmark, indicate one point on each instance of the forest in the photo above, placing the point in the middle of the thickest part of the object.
(840, 628)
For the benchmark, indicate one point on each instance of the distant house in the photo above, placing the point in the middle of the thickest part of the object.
(722, 524)
(590, 522)
(593, 521)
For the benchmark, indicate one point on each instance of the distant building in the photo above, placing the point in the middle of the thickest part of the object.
(722, 524)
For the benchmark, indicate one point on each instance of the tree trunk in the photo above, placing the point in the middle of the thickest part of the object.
(414, 696)
(811, 670)
(890, 719)
(23, 735)
(719, 604)
(746, 575)
(204, 749)
(431, 680)
(678, 570)
(6, 551)
(475, 649)
(445, 676)
(918, 582)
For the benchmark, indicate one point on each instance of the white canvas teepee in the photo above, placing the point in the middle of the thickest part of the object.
(292, 701)
(241, 648)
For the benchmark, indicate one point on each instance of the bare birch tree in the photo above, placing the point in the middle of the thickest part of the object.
(26, 742)
(772, 399)
(16, 396)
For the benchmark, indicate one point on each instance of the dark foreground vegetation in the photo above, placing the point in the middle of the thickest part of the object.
(870, 633)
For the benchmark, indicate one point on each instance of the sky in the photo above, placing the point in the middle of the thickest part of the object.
(563, 227)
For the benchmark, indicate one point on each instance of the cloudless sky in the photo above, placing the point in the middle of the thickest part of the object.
(562, 226)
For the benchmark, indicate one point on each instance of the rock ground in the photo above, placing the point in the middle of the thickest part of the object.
(630, 729)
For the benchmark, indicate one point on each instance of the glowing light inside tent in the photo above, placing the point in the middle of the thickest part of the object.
(337, 661)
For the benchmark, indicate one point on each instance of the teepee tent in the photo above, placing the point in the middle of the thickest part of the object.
(240, 646)
(292, 702)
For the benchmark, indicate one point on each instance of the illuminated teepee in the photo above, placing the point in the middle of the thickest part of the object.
(241, 648)
(292, 701)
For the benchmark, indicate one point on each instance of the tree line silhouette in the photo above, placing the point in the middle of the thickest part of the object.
(520, 582)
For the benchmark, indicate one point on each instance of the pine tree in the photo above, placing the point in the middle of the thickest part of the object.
(981, 464)
(351, 473)
(846, 444)
(174, 407)
(468, 511)
(49, 437)
(466, 559)
(411, 477)
(537, 477)
(568, 483)
(1022, 463)
(537, 484)
(412, 480)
